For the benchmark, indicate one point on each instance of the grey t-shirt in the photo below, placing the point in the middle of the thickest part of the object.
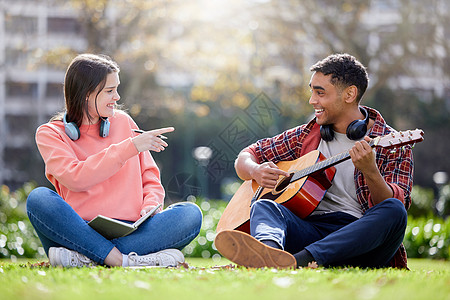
(341, 196)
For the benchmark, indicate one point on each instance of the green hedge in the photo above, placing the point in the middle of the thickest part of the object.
(425, 236)
(428, 238)
(17, 235)
(203, 244)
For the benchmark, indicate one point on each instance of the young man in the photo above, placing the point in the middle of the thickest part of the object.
(361, 221)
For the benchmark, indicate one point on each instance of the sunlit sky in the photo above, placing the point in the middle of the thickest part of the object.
(215, 35)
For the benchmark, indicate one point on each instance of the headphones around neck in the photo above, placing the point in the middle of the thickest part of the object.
(355, 130)
(73, 132)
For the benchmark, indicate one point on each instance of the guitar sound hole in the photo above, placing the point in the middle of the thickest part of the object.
(283, 183)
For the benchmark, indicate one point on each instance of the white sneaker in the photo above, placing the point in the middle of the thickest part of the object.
(68, 258)
(163, 258)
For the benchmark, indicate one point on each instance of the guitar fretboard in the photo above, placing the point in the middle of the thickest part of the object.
(320, 166)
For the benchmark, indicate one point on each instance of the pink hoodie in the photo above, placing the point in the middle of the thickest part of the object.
(96, 175)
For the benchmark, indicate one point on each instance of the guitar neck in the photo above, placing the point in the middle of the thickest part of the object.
(320, 166)
(392, 140)
(325, 164)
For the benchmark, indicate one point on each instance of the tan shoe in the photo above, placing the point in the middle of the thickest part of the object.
(244, 250)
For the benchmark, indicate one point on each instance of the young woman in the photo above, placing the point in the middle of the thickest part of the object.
(98, 164)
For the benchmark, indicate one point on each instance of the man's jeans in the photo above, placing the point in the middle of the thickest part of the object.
(58, 225)
(334, 239)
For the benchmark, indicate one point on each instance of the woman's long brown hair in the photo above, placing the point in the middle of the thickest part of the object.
(85, 75)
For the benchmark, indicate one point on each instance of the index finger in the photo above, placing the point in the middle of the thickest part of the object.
(280, 172)
(162, 130)
(364, 144)
(276, 170)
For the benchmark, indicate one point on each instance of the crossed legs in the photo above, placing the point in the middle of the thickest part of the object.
(331, 239)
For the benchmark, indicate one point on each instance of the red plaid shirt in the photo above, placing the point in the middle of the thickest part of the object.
(396, 166)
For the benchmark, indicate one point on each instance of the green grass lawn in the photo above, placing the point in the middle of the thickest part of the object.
(427, 279)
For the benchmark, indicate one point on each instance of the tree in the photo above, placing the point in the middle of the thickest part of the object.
(203, 61)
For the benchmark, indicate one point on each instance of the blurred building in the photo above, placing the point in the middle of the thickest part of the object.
(30, 92)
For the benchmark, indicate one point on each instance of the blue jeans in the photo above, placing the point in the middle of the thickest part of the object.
(58, 225)
(337, 238)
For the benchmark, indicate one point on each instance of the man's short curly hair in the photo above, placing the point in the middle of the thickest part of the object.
(345, 71)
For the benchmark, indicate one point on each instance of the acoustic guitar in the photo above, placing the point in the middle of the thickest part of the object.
(309, 178)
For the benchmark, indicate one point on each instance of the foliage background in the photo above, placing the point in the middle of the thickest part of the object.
(426, 236)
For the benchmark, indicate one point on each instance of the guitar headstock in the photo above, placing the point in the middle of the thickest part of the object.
(399, 138)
